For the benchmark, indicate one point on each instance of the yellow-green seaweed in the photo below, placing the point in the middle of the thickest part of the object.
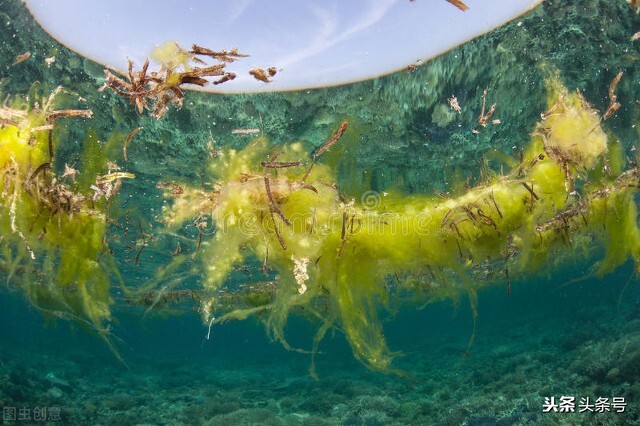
(338, 258)
(281, 206)
(53, 234)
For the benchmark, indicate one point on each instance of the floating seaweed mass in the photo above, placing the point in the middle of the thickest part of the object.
(159, 89)
(330, 257)
(492, 234)
(54, 233)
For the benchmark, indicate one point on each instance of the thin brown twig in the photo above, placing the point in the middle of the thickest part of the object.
(40, 168)
(506, 273)
(328, 144)
(459, 4)
(222, 55)
(530, 189)
(126, 142)
(50, 142)
(484, 118)
(275, 227)
(272, 202)
(496, 205)
(280, 164)
(343, 233)
(87, 113)
(614, 105)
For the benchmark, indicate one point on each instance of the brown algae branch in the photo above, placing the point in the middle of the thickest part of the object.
(325, 147)
(86, 113)
(272, 202)
(614, 105)
(459, 4)
(328, 144)
(126, 142)
(280, 164)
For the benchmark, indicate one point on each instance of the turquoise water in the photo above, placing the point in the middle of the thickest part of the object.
(558, 331)
(543, 340)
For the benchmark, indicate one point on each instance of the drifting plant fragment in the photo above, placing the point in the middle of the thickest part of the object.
(222, 56)
(329, 143)
(157, 90)
(126, 142)
(21, 58)
(69, 172)
(483, 118)
(459, 4)
(263, 75)
(453, 103)
(300, 273)
(86, 113)
(171, 187)
(614, 105)
(245, 131)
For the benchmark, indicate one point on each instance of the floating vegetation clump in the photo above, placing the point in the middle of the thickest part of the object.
(340, 259)
(334, 257)
(53, 234)
(157, 90)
